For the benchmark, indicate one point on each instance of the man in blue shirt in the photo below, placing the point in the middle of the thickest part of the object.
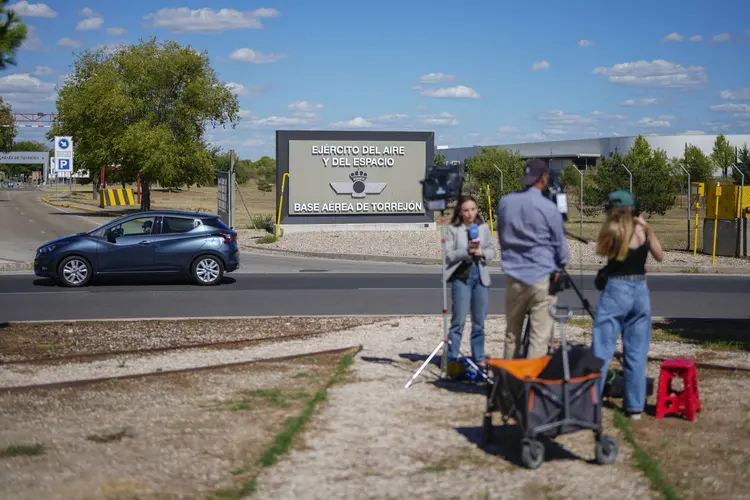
(533, 247)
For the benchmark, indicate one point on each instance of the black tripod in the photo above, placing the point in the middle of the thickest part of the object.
(562, 281)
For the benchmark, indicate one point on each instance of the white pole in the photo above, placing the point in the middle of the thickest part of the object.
(688, 204)
(580, 200)
(501, 179)
(631, 176)
(739, 207)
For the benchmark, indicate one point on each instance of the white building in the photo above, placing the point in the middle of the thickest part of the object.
(588, 152)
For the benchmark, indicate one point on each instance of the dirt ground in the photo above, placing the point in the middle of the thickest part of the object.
(194, 435)
(710, 457)
(48, 340)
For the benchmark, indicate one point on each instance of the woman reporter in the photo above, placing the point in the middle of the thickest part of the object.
(626, 239)
(466, 270)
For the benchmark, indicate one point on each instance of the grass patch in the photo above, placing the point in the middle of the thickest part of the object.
(716, 334)
(49, 346)
(292, 428)
(22, 450)
(110, 437)
(644, 461)
(264, 240)
(274, 397)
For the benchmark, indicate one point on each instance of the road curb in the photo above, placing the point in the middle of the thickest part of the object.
(687, 269)
(9, 267)
(78, 207)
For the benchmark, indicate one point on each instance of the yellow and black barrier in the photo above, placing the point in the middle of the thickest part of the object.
(116, 197)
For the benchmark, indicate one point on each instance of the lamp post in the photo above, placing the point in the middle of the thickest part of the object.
(629, 174)
(688, 205)
(501, 179)
(741, 236)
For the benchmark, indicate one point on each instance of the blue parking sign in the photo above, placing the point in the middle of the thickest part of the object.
(63, 164)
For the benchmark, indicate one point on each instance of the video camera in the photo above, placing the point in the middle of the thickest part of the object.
(442, 184)
(556, 194)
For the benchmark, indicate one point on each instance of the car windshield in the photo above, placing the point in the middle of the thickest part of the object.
(114, 222)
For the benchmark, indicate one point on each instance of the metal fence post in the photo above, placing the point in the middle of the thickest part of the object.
(580, 200)
(741, 235)
(631, 176)
(688, 205)
(501, 179)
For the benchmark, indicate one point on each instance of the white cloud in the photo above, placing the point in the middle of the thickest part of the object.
(652, 122)
(540, 66)
(90, 24)
(43, 71)
(601, 115)
(24, 92)
(458, 92)
(648, 101)
(357, 122)
(533, 137)
(116, 31)
(304, 106)
(32, 43)
(555, 131)
(696, 38)
(558, 117)
(185, 20)
(693, 132)
(737, 109)
(237, 88)
(87, 12)
(508, 130)
(68, 42)
(673, 37)
(735, 95)
(441, 120)
(250, 56)
(656, 73)
(281, 121)
(26, 9)
(436, 78)
(723, 37)
(585, 43)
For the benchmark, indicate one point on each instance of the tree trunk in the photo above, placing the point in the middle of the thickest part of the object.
(145, 194)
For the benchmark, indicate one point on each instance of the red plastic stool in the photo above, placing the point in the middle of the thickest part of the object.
(669, 401)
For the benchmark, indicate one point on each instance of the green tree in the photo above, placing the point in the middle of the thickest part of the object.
(146, 108)
(8, 130)
(723, 155)
(481, 168)
(12, 34)
(743, 163)
(222, 161)
(698, 164)
(653, 177)
(439, 160)
(265, 174)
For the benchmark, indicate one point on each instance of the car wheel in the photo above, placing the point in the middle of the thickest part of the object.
(74, 271)
(207, 270)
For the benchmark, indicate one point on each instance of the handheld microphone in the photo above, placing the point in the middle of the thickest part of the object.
(474, 235)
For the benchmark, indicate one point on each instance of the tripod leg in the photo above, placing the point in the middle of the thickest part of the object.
(427, 362)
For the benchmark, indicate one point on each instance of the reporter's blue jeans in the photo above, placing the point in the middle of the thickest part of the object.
(625, 306)
(470, 295)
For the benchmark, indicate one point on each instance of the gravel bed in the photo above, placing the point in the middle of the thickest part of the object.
(49, 340)
(426, 244)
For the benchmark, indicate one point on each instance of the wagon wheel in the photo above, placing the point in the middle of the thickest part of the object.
(532, 453)
(606, 450)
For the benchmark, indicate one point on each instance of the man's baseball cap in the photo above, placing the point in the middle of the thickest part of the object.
(620, 198)
(533, 171)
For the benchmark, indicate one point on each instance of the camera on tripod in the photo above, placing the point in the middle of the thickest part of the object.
(442, 185)
(556, 194)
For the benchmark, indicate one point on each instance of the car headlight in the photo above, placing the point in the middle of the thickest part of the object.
(47, 248)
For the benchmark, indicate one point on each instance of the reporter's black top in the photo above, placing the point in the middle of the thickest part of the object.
(634, 263)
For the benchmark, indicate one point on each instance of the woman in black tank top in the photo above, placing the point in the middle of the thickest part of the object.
(625, 306)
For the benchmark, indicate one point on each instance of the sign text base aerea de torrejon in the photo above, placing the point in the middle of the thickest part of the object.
(359, 207)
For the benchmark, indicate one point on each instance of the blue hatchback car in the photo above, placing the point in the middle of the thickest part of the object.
(147, 243)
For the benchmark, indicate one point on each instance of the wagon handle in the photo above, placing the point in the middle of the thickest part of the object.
(560, 313)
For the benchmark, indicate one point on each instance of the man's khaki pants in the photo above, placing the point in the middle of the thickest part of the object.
(534, 299)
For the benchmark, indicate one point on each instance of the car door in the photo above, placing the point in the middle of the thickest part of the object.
(129, 247)
(180, 237)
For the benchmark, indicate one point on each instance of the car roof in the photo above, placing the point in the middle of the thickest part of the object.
(177, 213)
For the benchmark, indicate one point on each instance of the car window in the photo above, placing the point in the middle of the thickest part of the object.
(134, 227)
(174, 225)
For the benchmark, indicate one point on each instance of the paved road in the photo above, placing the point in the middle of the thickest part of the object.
(26, 223)
(24, 298)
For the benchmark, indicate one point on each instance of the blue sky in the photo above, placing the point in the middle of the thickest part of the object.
(485, 72)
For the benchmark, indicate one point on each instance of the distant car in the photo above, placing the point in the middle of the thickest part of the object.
(148, 243)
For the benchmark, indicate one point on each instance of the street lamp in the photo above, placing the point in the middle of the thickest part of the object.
(631, 176)
(501, 179)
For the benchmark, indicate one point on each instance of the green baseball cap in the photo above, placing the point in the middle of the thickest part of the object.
(621, 198)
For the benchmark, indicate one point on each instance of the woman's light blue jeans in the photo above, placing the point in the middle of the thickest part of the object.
(625, 306)
(468, 295)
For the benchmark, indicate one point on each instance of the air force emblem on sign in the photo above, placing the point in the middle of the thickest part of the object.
(359, 187)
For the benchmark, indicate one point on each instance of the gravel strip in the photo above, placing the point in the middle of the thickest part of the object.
(49, 340)
(426, 244)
